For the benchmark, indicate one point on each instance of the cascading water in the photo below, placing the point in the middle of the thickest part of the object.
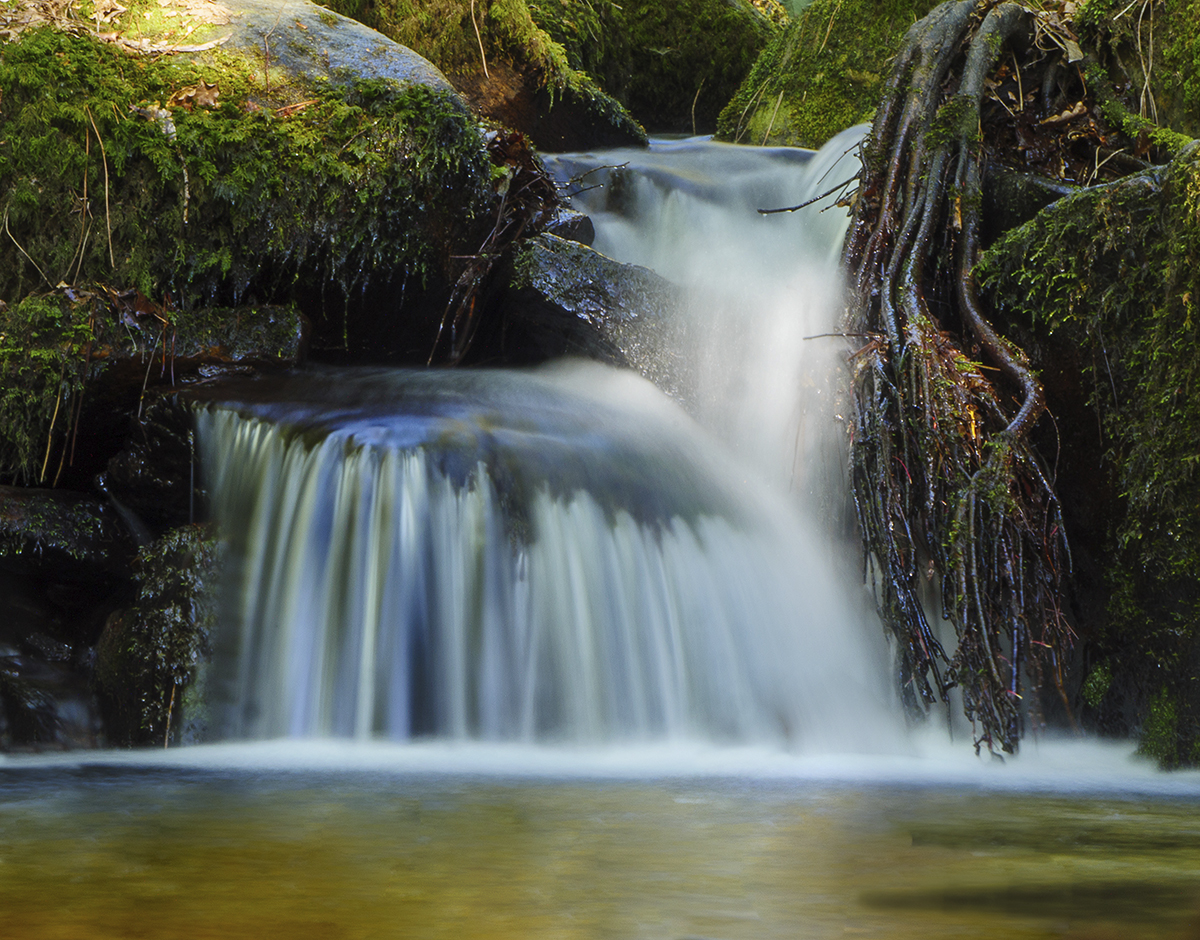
(563, 555)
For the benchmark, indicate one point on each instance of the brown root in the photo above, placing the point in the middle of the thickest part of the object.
(944, 478)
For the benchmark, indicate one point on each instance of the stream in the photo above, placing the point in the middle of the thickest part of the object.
(547, 653)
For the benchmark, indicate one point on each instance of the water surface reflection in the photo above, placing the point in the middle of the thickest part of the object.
(111, 851)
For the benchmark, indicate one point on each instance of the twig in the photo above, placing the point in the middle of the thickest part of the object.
(479, 39)
(53, 419)
(809, 202)
(694, 100)
(104, 156)
(22, 250)
(771, 124)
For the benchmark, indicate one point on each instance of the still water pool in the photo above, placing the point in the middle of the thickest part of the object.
(127, 848)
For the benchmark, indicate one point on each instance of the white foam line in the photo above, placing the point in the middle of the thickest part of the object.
(1062, 766)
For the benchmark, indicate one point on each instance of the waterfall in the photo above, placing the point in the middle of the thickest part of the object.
(560, 555)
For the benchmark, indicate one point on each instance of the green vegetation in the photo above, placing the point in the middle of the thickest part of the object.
(822, 74)
(151, 654)
(673, 63)
(268, 189)
(1151, 52)
(498, 41)
(44, 347)
(1115, 273)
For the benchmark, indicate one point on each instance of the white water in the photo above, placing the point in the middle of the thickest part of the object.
(564, 556)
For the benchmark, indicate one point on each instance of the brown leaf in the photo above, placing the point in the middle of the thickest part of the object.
(201, 95)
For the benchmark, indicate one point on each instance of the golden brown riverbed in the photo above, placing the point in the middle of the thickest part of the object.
(112, 852)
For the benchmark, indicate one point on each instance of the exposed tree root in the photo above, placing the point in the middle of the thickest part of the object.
(945, 481)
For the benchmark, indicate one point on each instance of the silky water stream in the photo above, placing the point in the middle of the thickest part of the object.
(548, 654)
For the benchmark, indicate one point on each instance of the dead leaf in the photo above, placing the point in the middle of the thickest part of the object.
(1078, 110)
(201, 95)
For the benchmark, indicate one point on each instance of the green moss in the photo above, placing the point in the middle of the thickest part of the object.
(43, 353)
(151, 654)
(450, 33)
(1150, 54)
(1115, 273)
(210, 206)
(822, 74)
(1096, 686)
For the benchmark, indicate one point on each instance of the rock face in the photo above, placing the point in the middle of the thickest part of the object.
(63, 566)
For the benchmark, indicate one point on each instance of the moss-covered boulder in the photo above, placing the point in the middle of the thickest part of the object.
(220, 178)
(820, 75)
(674, 63)
(509, 68)
(150, 659)
(1104, 286)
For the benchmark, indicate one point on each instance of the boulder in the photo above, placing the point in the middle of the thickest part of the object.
(566, 299)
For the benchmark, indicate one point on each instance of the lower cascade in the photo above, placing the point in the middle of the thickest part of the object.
(565, 555)
(553, 556)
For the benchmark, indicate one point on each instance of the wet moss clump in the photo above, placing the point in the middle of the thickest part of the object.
(1114, 274)
(820, 75)
(150, 659)
(111, 173)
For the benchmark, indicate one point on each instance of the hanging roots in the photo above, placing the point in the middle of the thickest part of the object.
(945, 481)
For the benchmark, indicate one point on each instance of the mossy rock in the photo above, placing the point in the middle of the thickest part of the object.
(822, 74)
(75, 364)
(1148, 59)
(151, 657)
(674, 63)
(212, 180)
(509, 68)
(1106, 284)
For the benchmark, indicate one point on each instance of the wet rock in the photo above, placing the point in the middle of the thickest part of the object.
(566, 299)
(573, 226)
(53, 526)
(1011, 198)
(155, 479)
